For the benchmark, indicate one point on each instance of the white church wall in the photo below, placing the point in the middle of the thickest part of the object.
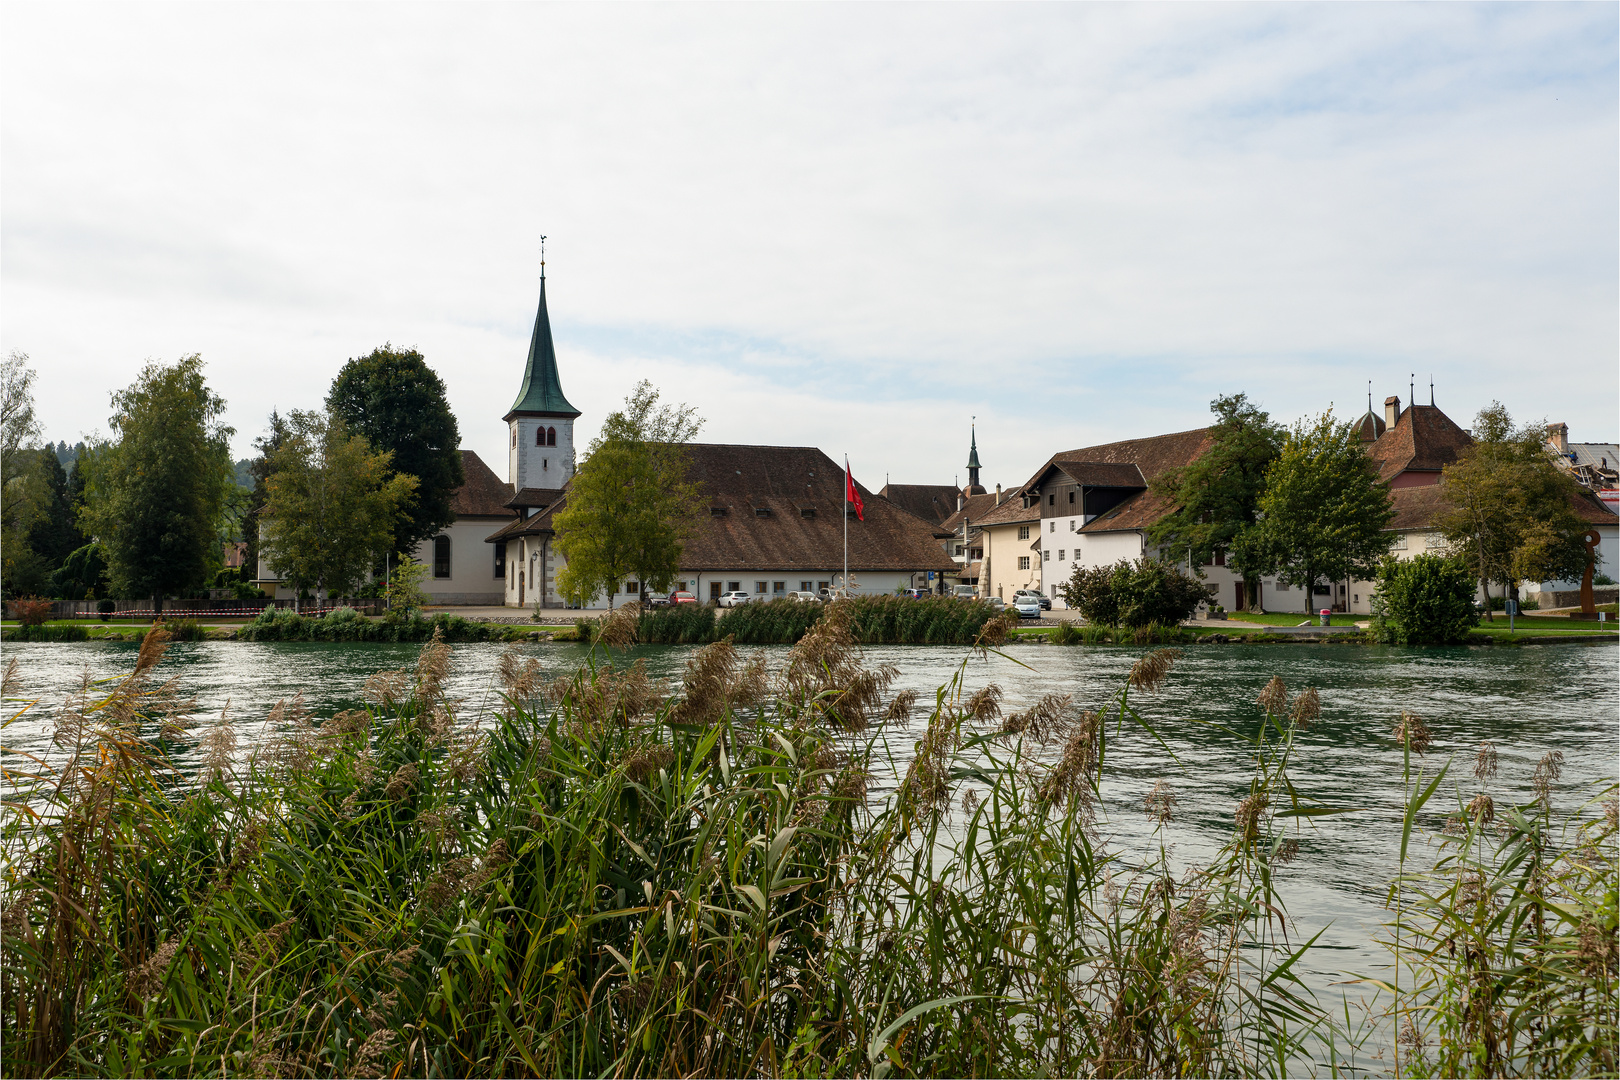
(472, 577)
(533, 466)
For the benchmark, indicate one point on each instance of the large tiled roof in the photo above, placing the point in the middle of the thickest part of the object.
(781, 508)
(1424, 439)
(1590, 509)
(1128, 463)
(974, 509)
(931, 502)
(1012, 509)
(482, 494)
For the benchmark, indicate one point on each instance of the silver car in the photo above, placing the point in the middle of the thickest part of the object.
(1027, 606)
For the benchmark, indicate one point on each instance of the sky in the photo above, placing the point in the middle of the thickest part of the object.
(858, 227)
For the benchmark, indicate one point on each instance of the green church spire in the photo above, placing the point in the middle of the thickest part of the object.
(973, 451)
(541, 391)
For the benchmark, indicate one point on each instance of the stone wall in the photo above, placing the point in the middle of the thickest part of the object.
(1603, 594)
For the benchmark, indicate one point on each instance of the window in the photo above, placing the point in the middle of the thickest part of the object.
(441, 556)
(1071, 498)
(804, 586)
(1399, 543)
(1072, 525)
(733, 586)
(958, 550)
(1046, 556)
(631, 588)
(717, 511)
(822, 584)
(1051, 500)
(514, 438)
(551, 436)
(762, 511)
(1060, 554)
(1051, 526)
(539, 436)
(680, 586)
(778, 586)
(807, 511)
(760, 587)
(1023, 562)
(500, 560)
(1023, 532)
(1220, 557)
(1282, 586)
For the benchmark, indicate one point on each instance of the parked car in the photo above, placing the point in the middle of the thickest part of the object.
(658, 599)
(1045, 601)
(998, 603)
(914, 594)
(963, 592)
(806, 597)
(680, 598)
(1027, 606)
(734, 599)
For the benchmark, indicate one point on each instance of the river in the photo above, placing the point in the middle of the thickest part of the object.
(1527, 700)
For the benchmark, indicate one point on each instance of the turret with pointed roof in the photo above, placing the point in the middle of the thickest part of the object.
(973, 486)
(541, 393)
(541, 420)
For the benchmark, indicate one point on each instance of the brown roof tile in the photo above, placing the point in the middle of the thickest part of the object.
(801, 493)
(529, 498)
(931, 502)
(974, 508)
(1119, 474)
(483, 494)
(1423, 440)
(1417, 507)
(1151, 456)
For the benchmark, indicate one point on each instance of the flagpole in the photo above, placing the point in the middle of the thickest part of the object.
(845, 582)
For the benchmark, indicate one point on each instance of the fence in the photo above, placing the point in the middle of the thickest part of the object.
(211, 609)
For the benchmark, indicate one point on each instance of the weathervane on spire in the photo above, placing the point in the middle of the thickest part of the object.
(542, 258)
(1369, 395)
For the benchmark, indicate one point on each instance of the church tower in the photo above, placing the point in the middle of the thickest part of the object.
(973, 485)
(541, 421)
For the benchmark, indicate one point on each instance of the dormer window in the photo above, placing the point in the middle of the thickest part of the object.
(718, 511)
(762, 511)
(807, 511)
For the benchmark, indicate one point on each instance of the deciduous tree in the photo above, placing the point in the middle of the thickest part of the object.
(22, 493)
(331, 505)
(1511, 516)
(1323, 513)
(393, 399)
(631, 506)
(1217, 496)
(154, 497)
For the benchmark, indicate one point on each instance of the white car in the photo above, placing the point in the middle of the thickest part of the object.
(734, 599)
(804, 597)
(1027, 606)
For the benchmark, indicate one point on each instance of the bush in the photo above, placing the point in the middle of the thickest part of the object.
(1066, 634)
(32, 610)
(39, 632)
(1426, 600)
(1603, 579)
(1133, 595)
(106, 609)
(683, 624)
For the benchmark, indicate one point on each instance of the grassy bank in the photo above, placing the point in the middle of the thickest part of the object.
(873, 620)
(603, 878)
(346, 624)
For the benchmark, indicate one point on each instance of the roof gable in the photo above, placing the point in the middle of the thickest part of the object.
(483, 494)
(1424, 439)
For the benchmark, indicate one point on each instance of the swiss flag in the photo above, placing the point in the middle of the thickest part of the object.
(852, 496)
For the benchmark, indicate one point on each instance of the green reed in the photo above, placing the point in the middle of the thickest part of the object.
(612, 876)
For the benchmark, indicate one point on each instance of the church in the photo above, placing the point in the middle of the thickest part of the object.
(773, 523)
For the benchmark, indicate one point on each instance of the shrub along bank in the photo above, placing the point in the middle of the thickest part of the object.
(346, 624)
(873, 620)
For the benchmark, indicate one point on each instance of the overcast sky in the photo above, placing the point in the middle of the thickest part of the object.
(850, 226)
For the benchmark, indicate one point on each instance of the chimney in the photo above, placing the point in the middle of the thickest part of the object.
(1392, 411)
(1558, 437)
(998, 494)
(958, 502)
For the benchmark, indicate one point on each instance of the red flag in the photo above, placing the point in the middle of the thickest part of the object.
(850, 494)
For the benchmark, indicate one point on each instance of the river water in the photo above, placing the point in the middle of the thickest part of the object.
(1527, 700)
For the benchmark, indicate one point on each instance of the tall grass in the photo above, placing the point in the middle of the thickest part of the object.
(346, 624)
(873, 620)
(46, 632)
(607, 877)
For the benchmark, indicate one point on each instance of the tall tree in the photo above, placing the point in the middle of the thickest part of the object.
(393, 399)
(1324, 510)
(275, 436)
(1511, 516)
(631, 506)
(154, 497)
(22, 487)
(331, 505)
(55, 534)
(1217, 496)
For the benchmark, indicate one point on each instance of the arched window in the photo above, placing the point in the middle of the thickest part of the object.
(551, 436)
(539, 436)
(441, 556)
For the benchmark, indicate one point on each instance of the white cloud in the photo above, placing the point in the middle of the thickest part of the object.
(847, 225)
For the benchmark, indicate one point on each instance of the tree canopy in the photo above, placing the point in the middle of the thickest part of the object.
(1217, 496)
(155, 496)
(23, 495)
(331, 504)
(1323, 512)
(397, 403)
(1511, 515)
(631, 506)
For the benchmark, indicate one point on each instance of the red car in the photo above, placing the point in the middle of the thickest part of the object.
(682, 598)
